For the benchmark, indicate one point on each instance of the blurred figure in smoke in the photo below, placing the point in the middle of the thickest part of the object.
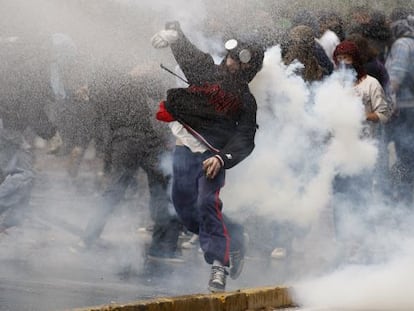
(132, 143)
(71, 110)
(214, 122)
(347, 55)
(24, 90)
(332, 32)
(375, 68)
(373, 25)
(370, 59)
(306, 18)
(379, 34)
(63, 51)
(400, 66)
(300, 48)
(17, 177)
(357, 189)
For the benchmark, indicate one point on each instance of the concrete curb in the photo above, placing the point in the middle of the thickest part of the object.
(262, 298)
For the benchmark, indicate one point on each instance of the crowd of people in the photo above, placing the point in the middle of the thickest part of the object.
(207, 126)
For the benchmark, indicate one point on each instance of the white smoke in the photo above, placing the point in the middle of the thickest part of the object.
(377, 287)
(306, 136)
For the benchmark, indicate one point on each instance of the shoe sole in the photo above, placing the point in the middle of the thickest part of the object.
(216, 290)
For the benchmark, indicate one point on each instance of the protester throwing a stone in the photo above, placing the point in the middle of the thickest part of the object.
(214, 122)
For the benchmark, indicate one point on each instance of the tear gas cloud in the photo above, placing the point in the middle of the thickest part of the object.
(303, 141)
(307, 135)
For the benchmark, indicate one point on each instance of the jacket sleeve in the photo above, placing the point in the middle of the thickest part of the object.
(196, 65)
(398, 62)
(378, 102)
(242, 144)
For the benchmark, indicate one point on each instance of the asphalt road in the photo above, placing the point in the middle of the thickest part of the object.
(41, 267)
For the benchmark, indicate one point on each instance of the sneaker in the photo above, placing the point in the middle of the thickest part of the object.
(217, 281)
(191, 243)
(237, 258)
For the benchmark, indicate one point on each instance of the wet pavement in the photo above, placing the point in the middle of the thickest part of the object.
(42, 267)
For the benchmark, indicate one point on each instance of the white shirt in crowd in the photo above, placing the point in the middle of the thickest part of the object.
(374, 100)
(329, 40)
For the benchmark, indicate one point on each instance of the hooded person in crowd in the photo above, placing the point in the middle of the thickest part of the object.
(214, 122)
(300, 48)
(400, 67)
(332, 32)
(306, 18)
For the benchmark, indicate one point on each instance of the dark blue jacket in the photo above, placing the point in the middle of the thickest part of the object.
(217, 109)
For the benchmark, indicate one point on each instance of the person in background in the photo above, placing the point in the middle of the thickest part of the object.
(214, 122)
(132, 143)
(370, 59)
(300, 47)
(375, 68)
(368, 88)
(306, 18)
(373, 25)
(358, 188)
(71, 110)
(400, 67)
(332, 32)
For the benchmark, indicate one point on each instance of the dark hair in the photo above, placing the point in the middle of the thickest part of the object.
(367, 51)
(350, 48)
(333, 21)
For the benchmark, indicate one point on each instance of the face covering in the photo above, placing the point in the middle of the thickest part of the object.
(343, 65)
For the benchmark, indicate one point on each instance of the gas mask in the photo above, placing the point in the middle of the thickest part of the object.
(237, 52)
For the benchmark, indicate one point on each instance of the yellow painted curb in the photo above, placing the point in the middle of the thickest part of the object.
(241, 300)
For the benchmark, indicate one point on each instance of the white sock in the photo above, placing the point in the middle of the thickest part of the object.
(217, 263)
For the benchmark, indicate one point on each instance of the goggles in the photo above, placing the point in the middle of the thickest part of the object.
(237, 52)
